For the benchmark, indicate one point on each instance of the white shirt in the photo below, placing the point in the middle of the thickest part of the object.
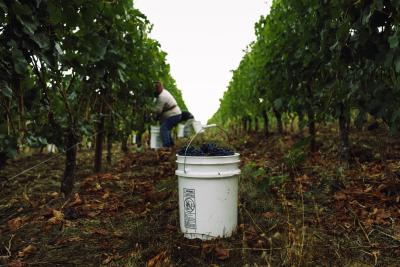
(166, 105)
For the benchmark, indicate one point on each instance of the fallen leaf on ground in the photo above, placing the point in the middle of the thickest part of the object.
(110, 258)
(347, 225)
(69, 239)
(93, 214)
(28, 199)
(57, 218)
(77, 200)
(381, 216)
(106, 195)
(30, 249)
(221, 253)
(99, 231)
(16, 263)
(268, 215)
(109, 176)
(15, 223)
(54, 194)
(118, 233)
(98, 187)
(160, 260)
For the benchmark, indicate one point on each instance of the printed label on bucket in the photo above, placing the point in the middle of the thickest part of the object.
(189, 203)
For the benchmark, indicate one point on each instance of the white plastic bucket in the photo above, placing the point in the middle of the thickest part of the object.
(51, 148)
(155, 138)
(197, 126)
(208, 195)
(181, 128)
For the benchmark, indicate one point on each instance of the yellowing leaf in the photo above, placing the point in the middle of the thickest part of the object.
(160, 260)
(98, 186)
(15, 223)
(54, 194)
(93, 214)
(58, 214)
(16, 263)
(57, 218)
(27, 198)
(110, 258)
(268, 215)
(106, 195)
(77, 200)
(30, 249)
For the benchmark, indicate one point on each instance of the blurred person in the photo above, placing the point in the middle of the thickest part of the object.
(167, 112)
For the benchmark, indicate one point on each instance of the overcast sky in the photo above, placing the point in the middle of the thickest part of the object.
(204, 41)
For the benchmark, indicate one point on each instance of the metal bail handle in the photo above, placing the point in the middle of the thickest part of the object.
(192, 139)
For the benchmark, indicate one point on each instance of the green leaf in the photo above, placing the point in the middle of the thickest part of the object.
(19, 61)
(388, 60)
(366, 17)
(21, 9)
(42, 40)
(12, 152)
(122, 65)
(5, 89)
(29, 26)
(3, 6)
(58, 48)
(334, 46)
(397, 64)
(72, 96)
(48, 57)
(99, 48)
(121, 75)
(54, 12)
(278, 103)
(393, 41)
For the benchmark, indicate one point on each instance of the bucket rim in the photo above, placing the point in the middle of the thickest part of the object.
(210, 175)
(209, 163)
(208, 157)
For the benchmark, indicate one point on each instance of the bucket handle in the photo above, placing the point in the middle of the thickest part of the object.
(192, 139)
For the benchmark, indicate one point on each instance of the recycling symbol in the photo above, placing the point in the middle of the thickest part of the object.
(189, 205)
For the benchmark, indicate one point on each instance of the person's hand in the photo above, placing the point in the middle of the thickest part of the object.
(152, 117)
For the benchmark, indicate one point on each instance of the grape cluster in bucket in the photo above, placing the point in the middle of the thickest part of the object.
(205, 149)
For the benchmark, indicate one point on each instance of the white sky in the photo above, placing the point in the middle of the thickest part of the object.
(204, 41)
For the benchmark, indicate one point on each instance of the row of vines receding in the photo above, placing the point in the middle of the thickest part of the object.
(319, 62)
(73, 72)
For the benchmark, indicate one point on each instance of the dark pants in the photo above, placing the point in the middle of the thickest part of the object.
(165, 130)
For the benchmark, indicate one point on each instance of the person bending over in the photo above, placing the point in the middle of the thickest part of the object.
(168, 113)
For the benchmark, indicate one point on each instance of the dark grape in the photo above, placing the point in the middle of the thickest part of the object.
(190, 151)
(206, 149)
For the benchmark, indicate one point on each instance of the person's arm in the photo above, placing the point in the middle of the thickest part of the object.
(159, 108)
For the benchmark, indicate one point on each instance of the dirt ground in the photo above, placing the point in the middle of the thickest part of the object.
(295, 208)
